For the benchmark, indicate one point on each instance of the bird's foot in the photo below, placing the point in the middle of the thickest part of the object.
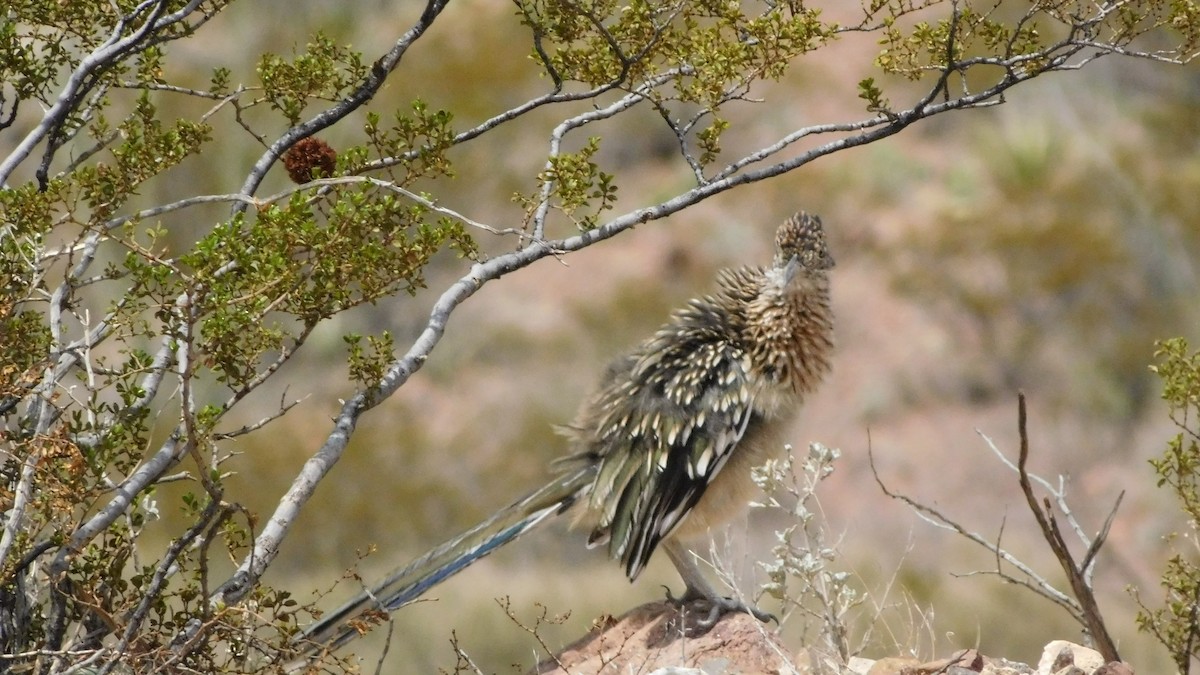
(717, 606)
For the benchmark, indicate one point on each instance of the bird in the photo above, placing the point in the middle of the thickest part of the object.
(661, 452)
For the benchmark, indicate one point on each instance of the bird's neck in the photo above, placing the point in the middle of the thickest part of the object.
(789, 330)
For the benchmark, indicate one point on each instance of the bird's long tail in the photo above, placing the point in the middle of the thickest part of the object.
(408, 583)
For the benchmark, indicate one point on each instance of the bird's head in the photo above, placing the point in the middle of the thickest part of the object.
(800, 247)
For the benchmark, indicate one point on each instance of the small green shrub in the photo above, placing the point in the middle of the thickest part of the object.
(1177, 623)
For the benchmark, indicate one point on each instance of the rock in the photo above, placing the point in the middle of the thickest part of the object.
(1060, 655)
(1005, 667)
(859, 666)
(659, 638)
(965, 661)
(893, 665)
(1065, 658)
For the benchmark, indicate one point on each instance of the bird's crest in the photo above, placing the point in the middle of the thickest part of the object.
(801, 241)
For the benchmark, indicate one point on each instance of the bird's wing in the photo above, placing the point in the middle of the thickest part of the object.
(674, 415)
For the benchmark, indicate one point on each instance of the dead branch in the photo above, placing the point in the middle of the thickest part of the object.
(1080, 587)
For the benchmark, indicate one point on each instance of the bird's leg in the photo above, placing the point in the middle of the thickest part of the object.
(700, 588)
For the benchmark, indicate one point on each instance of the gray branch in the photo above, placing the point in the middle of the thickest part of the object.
(82, 78)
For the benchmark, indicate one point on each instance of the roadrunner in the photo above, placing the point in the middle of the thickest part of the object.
(662, 451)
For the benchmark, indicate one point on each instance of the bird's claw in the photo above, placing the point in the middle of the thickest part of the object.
(717, 606)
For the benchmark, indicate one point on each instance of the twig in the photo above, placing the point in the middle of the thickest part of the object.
(1080, 587)
(506, 604)
(1034, 582)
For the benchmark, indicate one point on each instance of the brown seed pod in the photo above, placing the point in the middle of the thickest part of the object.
(307, 158)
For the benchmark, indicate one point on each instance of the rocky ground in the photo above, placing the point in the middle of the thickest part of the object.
(661, 639)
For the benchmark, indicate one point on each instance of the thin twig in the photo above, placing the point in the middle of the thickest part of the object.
(1092, 618)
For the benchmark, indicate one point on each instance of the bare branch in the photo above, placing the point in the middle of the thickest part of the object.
(1093, 620)
(1034, 581)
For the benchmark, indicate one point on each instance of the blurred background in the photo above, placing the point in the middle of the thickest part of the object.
(1041, 246)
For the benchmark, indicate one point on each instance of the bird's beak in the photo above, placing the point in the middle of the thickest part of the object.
(790, 270)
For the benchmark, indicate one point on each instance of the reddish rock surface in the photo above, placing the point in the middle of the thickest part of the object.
(660, 635)
(661, 638)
